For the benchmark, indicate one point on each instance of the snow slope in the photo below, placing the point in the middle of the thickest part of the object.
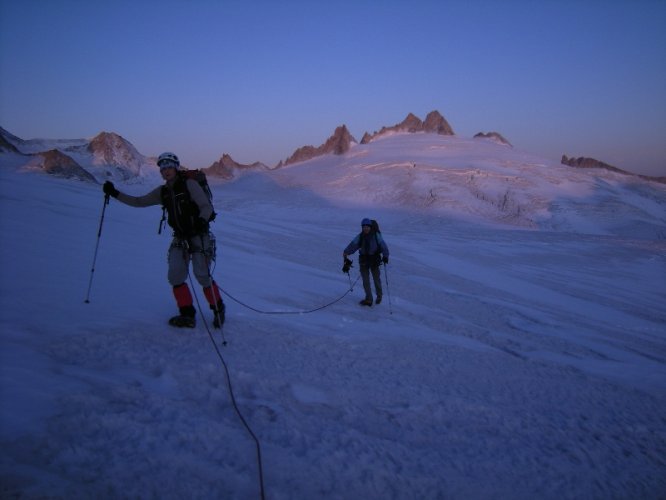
(503, 363)
(482, 180)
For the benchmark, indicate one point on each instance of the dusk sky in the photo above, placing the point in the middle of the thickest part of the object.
(258, 79)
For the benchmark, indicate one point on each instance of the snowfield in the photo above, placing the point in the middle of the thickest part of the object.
(519, 353)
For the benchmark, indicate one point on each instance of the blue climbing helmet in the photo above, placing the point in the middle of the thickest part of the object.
(366, 222)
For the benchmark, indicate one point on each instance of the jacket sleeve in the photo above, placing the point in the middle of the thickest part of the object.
(354, 245)
(383, 245)
(199, 197)
(154, 197)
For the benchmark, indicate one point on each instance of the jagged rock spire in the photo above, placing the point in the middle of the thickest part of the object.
(434, 123)
(339, 143)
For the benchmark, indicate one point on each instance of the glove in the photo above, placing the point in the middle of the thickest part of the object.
(110, 190)
(385, 259)
(347, 266)
(200, 225)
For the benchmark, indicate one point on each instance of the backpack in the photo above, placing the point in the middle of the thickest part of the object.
(374, 231)
(183, 175)
(199, 176)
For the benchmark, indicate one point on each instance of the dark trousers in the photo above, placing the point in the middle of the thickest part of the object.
(376, 277)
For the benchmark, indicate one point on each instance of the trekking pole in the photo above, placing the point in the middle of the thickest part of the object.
(99, 235)
(388, 289)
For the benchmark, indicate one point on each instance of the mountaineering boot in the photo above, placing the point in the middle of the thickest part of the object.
(366, 302)
(185, 319)
(219, 312)
(182, 322)
(214, 299)
(378, 300)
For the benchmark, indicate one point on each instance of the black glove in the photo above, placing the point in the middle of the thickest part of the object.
(385, 259)
(110, 190)
(347, 266)
(200, 225)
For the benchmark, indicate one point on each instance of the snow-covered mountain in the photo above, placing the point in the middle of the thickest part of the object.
(419, 169)
(342, 140)
(482, 180)
(107, 156)
(32, 146)
(113, 156)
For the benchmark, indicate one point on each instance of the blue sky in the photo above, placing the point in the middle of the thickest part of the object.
(257, 79)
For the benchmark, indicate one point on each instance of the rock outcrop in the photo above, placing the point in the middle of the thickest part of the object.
(584, 162)
(338, 144)
(56, 163)
(6, 146)
(434, 123)
(493, 136)
(8, 142)
(437, 124)
(226, 167)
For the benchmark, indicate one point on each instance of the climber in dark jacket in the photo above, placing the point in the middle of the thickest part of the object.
(189, 210)
(372, 252)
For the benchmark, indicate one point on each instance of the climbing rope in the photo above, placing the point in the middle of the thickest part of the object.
(231, 391)
(351, 288)
(226, 368)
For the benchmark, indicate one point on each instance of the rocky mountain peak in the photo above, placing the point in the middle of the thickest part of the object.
(227, 161)
(226, 167)
(339, 143)
(435, 123)
(411, 123)
(494, 136)
(109, 148)
(107, 142)
(583, 162)
(104, 139)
